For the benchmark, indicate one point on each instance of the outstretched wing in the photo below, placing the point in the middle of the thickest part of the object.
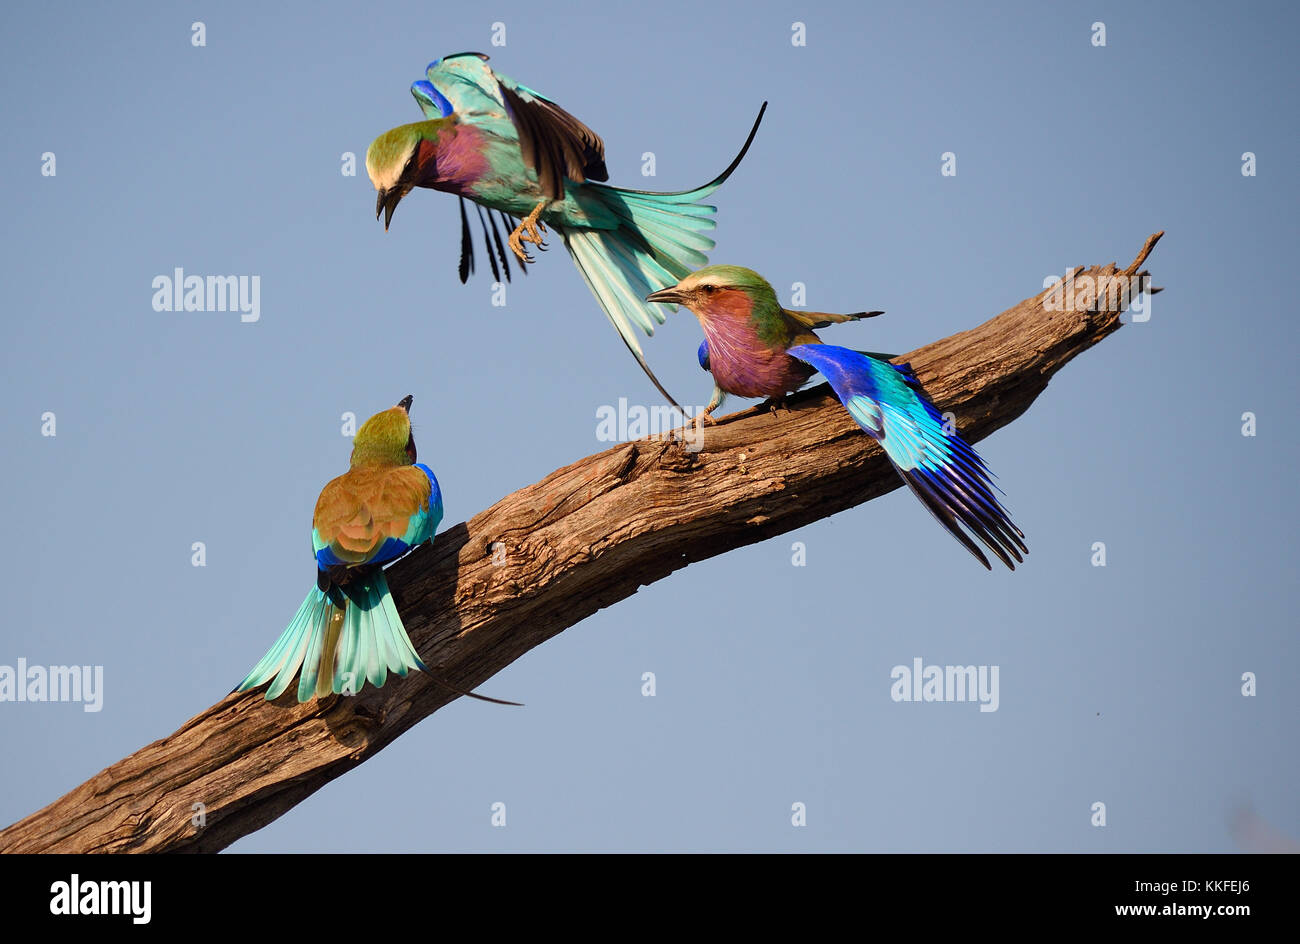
(941, 469)
(553, 143)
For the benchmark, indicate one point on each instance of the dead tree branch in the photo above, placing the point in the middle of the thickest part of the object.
(583, 538)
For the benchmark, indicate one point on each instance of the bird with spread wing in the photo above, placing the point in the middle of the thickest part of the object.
(753, 347)
(511, 150)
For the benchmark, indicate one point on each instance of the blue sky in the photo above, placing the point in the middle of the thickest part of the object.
(1119, 684)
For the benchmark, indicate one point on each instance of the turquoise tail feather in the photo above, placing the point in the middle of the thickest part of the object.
(360, 642)
(659, 241)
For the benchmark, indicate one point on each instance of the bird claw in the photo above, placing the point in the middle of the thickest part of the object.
(517, 247)
(527, 231)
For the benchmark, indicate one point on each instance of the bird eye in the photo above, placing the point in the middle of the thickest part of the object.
(708, 289)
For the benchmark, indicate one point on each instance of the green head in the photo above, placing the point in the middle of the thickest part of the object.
(385, 439)
(393, 162)
(721, 290)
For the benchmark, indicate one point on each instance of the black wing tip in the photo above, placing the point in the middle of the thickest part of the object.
(487, 244)
(466, 246)
(952, 513)
(501, 249)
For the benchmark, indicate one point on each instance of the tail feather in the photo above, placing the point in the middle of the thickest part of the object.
(331, 648)
(824, 319)
(390, 655)
(356, 670)
(659, 242)
(614, 282)
(677, 257)
(318, 651)
(323, 667)
(685, 203)
(699, 193)
(649, 269)
(639, 210)
(282, 661)
(655, 222)
(400, 643)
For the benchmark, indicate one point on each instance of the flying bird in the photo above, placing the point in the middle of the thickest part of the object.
(348, 631)
(512, 150)
(755, 348)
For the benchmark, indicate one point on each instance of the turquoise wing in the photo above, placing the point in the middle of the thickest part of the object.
(553, 143)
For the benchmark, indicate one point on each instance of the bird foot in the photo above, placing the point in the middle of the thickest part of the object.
(693, 431)
(773, 404)
(528, 231)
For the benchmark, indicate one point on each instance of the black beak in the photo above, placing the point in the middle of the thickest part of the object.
(405, 404)
(666, 296)
(386, 204)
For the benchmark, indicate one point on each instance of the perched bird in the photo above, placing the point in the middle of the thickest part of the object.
(510, 149)
(348, 631)
(755, 348)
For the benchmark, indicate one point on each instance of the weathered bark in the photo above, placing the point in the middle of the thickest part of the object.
(583, 538)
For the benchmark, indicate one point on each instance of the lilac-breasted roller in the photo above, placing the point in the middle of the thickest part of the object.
(510, 149)
(753, 347)
(348, 631)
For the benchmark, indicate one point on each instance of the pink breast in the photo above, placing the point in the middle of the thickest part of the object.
(460, 159)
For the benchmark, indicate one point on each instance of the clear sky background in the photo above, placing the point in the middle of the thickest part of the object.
(1119, 684)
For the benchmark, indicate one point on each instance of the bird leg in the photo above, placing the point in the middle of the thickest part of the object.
(705, 418)
(693, 431)
(695, 437)
(772, 404)
(527, 230)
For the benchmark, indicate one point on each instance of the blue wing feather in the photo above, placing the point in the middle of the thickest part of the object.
(432, 102)
(940, 467)
(435, 498)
